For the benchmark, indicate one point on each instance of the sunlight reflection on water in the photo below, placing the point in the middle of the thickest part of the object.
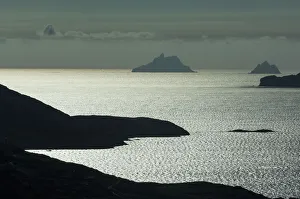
(207, 104)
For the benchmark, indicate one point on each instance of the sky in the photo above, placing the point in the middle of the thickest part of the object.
(213, 34)
(150, 6)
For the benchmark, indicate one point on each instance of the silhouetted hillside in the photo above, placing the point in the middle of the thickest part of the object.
(285, 81)
(31, 124)
(26, 175)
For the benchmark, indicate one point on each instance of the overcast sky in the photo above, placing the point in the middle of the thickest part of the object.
(153, 5)
(126, 34)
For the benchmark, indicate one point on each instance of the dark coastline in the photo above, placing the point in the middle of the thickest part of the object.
(289, 81)
(31, 176)
(31, 124)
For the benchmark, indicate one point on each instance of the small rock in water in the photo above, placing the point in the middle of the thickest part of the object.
(254, 131)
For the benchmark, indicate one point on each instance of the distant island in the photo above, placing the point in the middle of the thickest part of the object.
(164, 64)
(285, 81)
(49, 30)
(265, 68)
(31, 124)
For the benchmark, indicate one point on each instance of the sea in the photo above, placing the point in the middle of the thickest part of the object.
(208, 104)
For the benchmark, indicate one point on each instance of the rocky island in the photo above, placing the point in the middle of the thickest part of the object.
(285, 81)
(31, 124)
(49, 30)
(25, 175)
(265, 68)
(164, 64)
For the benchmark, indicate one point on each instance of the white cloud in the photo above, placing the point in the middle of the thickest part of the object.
(265, 38)
(77, 34)
(114, 35)
(123, 35)
(282, 38)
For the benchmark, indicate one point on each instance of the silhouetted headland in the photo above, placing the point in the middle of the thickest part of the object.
(31, 124)
(285, 81)
(164, 64)
(265, 68)
(25, 175)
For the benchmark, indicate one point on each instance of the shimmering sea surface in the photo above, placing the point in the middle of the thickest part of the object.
(207, 104)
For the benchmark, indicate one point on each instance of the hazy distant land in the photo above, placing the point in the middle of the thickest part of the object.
(164, 64)
(265, 68)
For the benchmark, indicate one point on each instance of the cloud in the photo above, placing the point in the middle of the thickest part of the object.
(273, 38)
(123, 35)
(50, 33)
(77, 34)
(281, 37)
(155, 27)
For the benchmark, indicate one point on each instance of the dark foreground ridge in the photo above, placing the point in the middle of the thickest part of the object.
(253, 131)
(32, 176)
(164, 64)
(31, 124)
(265, 68)
(285, 81)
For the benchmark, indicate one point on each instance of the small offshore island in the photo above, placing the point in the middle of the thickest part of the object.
(285, 81)
(265, 68)
(164, 64)
(49, 30)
